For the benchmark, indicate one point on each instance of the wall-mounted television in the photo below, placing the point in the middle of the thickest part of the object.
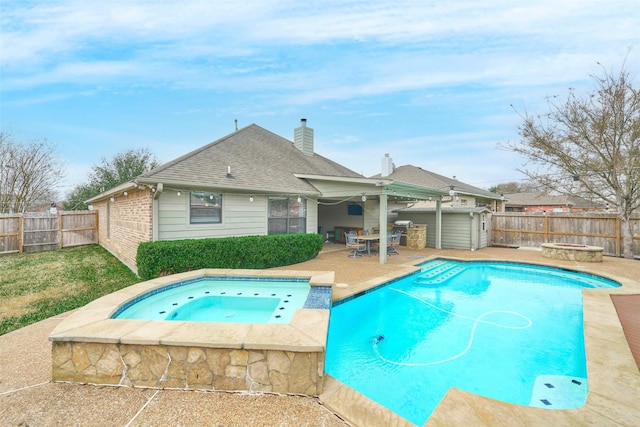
(354, 209)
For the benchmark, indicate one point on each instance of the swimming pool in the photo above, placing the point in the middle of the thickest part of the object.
(485, 327)
(221, 299)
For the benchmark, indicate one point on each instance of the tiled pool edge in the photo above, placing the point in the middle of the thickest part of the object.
(89, 347)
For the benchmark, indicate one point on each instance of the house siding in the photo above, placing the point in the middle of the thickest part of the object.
(461, 201)
(371, 214)
(336, 215)
(312, 216)
(124, 224)
(240, 217)
(459, 230)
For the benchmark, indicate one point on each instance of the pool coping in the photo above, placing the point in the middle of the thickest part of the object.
(607, 353)
(307, 330)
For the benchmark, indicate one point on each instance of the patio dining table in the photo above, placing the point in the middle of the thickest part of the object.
(367, 239)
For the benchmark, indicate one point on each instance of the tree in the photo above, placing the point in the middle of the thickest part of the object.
(29, 173)
(510, 187)
(123, 167)
(589, 145)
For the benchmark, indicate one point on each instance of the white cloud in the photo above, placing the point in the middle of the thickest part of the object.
(377, 63)
(419, 36)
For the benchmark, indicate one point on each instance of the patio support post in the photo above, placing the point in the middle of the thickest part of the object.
(438, 224)
(383, 228)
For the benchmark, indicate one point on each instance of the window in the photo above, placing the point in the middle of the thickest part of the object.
(205, 208)
(287, 216)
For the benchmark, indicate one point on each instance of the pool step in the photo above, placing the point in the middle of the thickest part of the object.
(439, 274)
(433, 265)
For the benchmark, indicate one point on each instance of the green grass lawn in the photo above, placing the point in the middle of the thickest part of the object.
(36, 286)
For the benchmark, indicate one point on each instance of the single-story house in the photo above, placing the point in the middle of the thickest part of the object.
(250, 182)
(544, 202)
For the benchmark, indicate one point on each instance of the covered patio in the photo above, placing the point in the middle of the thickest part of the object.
(375, 194)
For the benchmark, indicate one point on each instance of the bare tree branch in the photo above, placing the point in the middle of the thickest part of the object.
(29, 173)
(593, 142)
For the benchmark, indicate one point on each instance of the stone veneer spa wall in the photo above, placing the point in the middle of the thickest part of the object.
(89, 347)
(193, 368)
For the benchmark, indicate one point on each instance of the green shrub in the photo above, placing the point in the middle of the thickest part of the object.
(176, 256)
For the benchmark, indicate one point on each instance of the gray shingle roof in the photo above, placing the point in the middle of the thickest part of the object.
(260, 160)
(416, 175)
(544, 199)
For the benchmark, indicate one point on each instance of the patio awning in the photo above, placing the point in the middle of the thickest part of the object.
(380, 188)
(341, 187)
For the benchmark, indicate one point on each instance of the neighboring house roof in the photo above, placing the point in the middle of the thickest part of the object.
(419, 176)
(258, 159)
(544, 199)
(480, 209)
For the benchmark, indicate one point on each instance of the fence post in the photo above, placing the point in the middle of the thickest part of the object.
(97, 222)
(545, 228)
(20, 231)
(59, 230)
(618, 237)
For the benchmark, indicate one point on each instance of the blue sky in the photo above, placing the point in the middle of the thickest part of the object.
(431, 83)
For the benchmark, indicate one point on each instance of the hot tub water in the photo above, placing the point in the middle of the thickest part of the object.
(221, 299)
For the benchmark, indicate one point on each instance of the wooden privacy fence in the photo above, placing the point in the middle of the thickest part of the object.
(31, 232)
(532, 230)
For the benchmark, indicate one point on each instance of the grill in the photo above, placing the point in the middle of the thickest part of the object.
(402, 226)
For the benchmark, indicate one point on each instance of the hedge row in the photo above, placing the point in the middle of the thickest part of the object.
(176, 256)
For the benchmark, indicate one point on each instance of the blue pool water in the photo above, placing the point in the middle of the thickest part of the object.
(511, 332)
(221, 299)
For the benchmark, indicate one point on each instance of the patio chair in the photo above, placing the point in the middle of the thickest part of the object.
(357, 248)
(393, 241)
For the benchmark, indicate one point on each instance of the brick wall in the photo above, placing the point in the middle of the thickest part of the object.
(125, 223)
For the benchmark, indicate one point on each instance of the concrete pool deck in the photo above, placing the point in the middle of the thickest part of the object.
(28, 397)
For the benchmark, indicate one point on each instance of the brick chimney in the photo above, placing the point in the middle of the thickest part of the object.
(303, 138)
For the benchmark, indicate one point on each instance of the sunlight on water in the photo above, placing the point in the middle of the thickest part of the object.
(488, 328)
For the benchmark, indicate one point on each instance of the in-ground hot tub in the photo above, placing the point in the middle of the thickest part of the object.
(91, 347)
(572, 252)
